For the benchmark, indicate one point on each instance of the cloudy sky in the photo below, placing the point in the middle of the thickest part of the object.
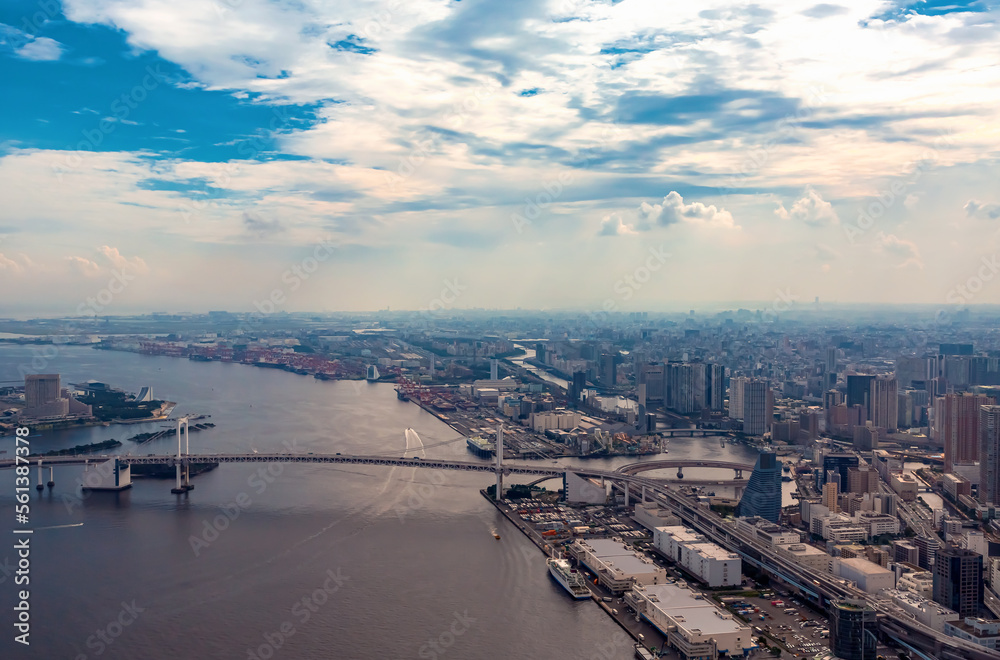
(209, 154)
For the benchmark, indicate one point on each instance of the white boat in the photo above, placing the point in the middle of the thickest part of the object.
(570, 578)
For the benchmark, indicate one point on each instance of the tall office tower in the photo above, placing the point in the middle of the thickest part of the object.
(958, 579)
(927, 547)
(762, 496)
(955, 349)
(862, 480)
(715, 387)
(540, 352)
(737, 387)
(984, 371)
(699, 385)
(956, 426)
(831, 360)
(904, 410)
(809, 422)
(884, 408)
(758, 401)
(577, 387)
(910, 369)
(904, 551)
(830, 492)
(840, 464)
(956, 370)
(494, 369)
(853, 630)
(989, 454)
(609, 369)
(651, 375)
(680, 387)
(40, 389)
(859, 391)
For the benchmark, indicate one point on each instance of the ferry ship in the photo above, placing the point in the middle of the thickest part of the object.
(570, 579)
(480, 447)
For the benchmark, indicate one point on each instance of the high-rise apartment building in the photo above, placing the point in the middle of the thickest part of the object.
(883, 406)
(830, 492)
(956, 425)
(758, 406)
(862, 480)
(736, 389)
(989, 454)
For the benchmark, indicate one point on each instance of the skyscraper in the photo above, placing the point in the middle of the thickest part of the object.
(762, 496)
(830, 491)
(736, 389)
(577, 387)
(853, 629)
(40, 389)
(859, 390)
(715, 387)
(958, 578)
(831, 360)
(840, 464)
(956, 425)
(758, 401)
(989, 454)
(884, 408)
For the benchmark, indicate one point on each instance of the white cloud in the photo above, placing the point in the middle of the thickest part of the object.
(893, 246)
(84, 267)
(613, 225)
(811, 210)
(673, 210)
(976, 209)
(41, 49)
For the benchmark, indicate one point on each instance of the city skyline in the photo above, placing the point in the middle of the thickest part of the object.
(543, 156)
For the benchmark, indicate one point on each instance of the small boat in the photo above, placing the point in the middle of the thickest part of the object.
(496, 536)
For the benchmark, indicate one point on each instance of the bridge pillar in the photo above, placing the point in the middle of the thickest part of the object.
(680, 473)
(182, 422)
(40, 486)
(499, 465)
(626, 495)
(52, 481)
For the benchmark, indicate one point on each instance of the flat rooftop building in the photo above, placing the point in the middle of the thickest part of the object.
(616, 565)
(690, 622)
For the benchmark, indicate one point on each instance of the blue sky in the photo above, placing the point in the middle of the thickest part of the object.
(535, 152)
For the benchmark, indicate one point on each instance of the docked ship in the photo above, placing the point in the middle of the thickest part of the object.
(570, 578)
(480, 447)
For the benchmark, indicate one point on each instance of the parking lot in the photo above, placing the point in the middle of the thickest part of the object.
(788, 624)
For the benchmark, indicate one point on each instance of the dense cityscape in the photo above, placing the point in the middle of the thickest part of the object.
(476, 330)
(866, 525)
